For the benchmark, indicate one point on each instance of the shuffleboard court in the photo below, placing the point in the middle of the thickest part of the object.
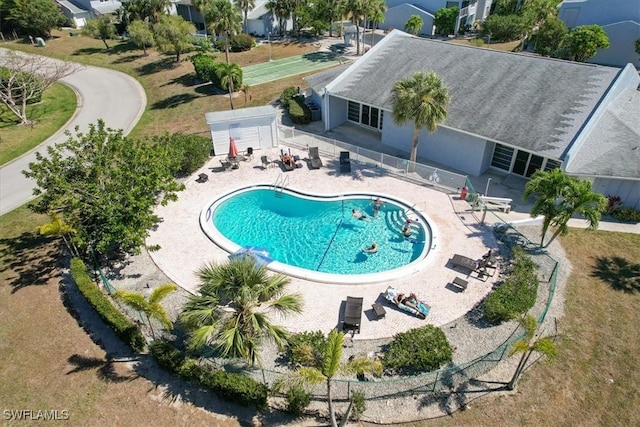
(281, 68)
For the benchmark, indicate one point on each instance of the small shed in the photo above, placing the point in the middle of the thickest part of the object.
(250, 127)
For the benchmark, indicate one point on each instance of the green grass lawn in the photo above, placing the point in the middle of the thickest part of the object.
(56, 108)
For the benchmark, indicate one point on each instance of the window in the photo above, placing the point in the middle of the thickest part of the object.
(502, 156)
(535, 163)
(365, 119)
(354, 112)
(381, 117)
(551, 164)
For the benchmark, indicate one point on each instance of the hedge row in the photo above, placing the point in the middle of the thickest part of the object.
(123, 327)
(517, 294)
(299, 112)
(188, 153)
(237, 43)
(422, 349)
(234, 387)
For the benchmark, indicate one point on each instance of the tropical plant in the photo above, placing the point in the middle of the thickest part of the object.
(329, 367)
(559, 197)
(418, 350)
(376, 10)
(231, 311)
(151, 308)
(141, 35)
(636, 46)
(583, 42)
(224, 20)
(245, 6)
(282, 10)
(244, 88)
(57, 227)
(228, 73)
(150, 11)
(422, 99)
(527, 345)
(173, 35)
(104, 185)
(504, 28)
(100, 28)
(356, 9)
(414, 25)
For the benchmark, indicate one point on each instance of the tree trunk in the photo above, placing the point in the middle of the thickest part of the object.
(519, 369)
(346, 415)
(153, 334)
(357, 39)
(332, 415)
(105, 43)
(226, 47)
(414, 146)
(231, 92)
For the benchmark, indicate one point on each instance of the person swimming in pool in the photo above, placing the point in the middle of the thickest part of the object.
(358, 215)
(406, 231)
(377, 204)
(371, 249)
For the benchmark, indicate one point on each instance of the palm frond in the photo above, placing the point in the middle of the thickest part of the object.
(161, 292)
(202, 336)
(289, 303)
(333, 353)
(311, 375)
(547, 347)
(132, 299)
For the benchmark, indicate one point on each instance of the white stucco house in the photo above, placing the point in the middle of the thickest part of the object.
(79, 11)
(509, 112)
(399, 11)
(620, 19)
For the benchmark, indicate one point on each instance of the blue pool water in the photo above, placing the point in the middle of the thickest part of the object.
(319, 234)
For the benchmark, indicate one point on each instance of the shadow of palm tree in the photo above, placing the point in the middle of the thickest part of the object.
(619, 273)
(105, 369)
(157, 66)
(128, 58)
(31, 257)
(89, 51)
(319, 56)
(173, 101)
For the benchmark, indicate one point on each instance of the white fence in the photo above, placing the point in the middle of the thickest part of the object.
(402, 168)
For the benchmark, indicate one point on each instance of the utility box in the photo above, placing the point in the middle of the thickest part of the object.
(40, 42)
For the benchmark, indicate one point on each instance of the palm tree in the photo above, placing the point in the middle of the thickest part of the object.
(228, 73)
(414, 25)
(231, 312)
(357, 9)
(224, 19)
(559, 197)
(282, 10)
(377, 8)
(245, 6)
(328, 369)
(423, 99)
(152, 307)
(58, 227)
(528, 345)
(245, 89)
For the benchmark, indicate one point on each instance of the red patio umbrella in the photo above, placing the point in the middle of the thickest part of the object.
(233, 150)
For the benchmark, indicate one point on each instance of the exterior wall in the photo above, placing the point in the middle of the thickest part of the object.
(259, 132)
(398, 16)
(456, 150)
(265, 24)
(622, 37)
(628, 190)
(336, 114)
(627, 78)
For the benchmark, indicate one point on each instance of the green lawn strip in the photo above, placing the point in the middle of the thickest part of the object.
(56, 108)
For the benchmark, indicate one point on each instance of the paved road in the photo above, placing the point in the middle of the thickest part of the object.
(105, 94)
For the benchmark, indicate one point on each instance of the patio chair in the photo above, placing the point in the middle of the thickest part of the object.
(464, 262)
(352, 315)
(314, 156)
(423, 308)
(266, 163)
(226, 165)
(249, 153)
(345, 162)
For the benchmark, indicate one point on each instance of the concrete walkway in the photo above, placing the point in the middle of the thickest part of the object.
(115, 97)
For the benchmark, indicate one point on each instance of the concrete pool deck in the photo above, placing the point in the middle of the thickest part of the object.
(185, 248)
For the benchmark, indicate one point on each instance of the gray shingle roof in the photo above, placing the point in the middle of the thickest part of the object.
(318, 81)
(613, 146)
(530, 102)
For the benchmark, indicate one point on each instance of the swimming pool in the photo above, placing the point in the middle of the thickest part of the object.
(316, 237)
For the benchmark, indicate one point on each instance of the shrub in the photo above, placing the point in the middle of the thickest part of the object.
(203, 65)
(504, 28)
(359, 404)
(167, 356)
(297, 400)
(306, 348)
(299, 112)
(476, 42)
(241, 43)
(627, 214)
(215, 74)
(188, 152)
(122, 326)
(517, 294)
(287, 95)
(234, 387)
(613, 204)
(423, 349)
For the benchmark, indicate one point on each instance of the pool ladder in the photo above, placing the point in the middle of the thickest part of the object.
(280, 184)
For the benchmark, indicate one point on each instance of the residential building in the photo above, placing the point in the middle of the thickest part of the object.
(512, 113)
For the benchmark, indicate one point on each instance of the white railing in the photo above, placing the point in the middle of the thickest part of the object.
(402, 168)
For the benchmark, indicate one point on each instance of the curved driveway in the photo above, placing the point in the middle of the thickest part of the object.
(105, 94)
